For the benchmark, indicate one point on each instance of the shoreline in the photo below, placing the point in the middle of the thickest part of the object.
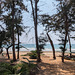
(10, 52)
(46, 49)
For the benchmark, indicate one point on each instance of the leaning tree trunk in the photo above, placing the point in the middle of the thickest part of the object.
(69, 45)
(63, 52)
(7, 53)
(13, 41)
(18, 44)
(52, 46)
(36, 35)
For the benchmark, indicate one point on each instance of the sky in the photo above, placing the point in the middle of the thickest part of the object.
(45, 7)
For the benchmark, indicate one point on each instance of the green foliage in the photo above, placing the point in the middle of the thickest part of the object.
(11, 61)
(19, 69)
(62, 43)
(2, 37)
(25, 55)
(64, 20)
(6, 68)
(33, 55)
(42, 41)
(6, 12)
(25, 69)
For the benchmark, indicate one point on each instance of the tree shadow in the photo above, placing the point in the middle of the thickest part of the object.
(3, 59)
(68, 66)
(56, 69)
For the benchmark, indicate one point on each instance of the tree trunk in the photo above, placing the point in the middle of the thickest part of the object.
(36, 35)
(66, 34)
(52, 46)
(7, 53)
(35, 24)
(13, 41)
(18, 44)
(69, 45)
(64, 48)
(63, 52)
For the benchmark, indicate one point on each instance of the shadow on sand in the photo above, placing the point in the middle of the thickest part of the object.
(67, 68)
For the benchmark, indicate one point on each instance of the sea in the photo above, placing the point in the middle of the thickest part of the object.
(47, 47)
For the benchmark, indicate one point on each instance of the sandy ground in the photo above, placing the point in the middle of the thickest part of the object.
(48, 66)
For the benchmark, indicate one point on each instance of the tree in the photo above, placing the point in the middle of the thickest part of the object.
(19, 27)
(12, 8)
(42, 41)
(19, 33)
(13, 41)
(69, 45)
(2, 37)
(47, 22)
(51, 42)
(34, 12)
(64, 20)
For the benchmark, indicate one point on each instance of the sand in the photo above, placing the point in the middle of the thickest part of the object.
(48, 65)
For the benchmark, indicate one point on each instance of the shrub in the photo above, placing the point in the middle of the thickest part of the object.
(19, 69)
(25, 69)
(33, 55)
(11, 61)
(6, 68)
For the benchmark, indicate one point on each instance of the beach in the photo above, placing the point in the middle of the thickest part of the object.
(48, 54)
(48, 65)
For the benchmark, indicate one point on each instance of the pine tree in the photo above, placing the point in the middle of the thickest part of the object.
(12, 9)
(47, 22)
(35, 17)
(64, 20)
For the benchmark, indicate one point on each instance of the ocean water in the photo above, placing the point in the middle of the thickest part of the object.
(47, 47)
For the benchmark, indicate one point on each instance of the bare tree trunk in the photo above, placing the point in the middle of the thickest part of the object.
(69, 45)
(36, 35)
(63, 56)
(7, 53)
(35, 24)
(52, 46)
(13, 41)
(66, 34)
(64, 48)
(18, 44)
(33, 11)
